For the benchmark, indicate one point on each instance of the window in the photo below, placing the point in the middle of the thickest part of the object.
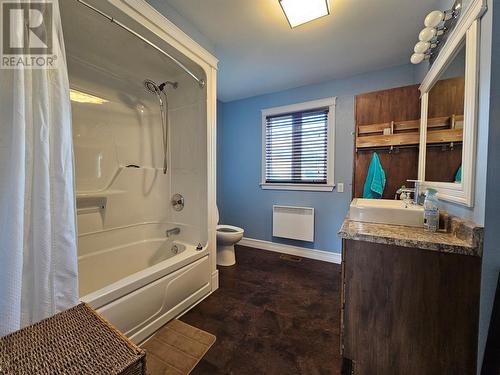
(298, 146)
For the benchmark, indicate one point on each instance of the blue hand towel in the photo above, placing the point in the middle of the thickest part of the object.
(375, 179)
(458, 176)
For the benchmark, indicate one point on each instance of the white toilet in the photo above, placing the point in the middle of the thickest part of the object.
(227, 236)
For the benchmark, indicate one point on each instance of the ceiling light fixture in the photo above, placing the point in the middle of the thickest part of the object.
(298, 12)
(81, 97)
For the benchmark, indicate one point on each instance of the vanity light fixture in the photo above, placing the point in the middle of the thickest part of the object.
(417, 58)
(436, 24)
(298, 12)
(434, 18)
(429, 33)
(81, 97)
(428, 39)
(423, 47)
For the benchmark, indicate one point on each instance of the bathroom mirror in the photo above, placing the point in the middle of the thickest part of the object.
(445, 119)
(449, 96)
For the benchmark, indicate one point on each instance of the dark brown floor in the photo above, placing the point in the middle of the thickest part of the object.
(271, 316)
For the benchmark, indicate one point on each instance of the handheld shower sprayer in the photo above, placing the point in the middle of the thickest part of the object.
(155, 88)
(160, 92)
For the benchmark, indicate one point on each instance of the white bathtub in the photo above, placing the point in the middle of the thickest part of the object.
(142, 285)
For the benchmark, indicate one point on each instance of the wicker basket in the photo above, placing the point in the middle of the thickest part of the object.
(75, 341)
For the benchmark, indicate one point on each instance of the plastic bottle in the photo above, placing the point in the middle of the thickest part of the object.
(431, 211)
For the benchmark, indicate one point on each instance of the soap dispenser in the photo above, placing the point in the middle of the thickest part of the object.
(431, 211)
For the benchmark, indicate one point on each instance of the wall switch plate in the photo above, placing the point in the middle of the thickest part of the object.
(340, 187)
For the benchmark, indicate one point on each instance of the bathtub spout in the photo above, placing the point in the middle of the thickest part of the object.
(172, 231)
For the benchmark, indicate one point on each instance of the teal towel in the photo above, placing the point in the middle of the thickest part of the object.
(375, 179)
(458, 176)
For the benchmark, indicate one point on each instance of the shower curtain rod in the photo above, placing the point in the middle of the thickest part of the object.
(200, 81)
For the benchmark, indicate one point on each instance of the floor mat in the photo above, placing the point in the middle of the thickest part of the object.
(176, 348)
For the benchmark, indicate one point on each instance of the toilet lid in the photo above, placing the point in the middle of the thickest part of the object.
(217, 213)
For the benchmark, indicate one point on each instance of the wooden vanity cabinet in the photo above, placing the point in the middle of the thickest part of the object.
(408, 311)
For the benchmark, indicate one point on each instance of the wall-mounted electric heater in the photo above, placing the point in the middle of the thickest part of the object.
(292, 222)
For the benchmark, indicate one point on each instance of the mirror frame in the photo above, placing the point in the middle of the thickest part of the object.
(466, 31)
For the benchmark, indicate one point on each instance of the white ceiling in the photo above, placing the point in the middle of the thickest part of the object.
(259, 53)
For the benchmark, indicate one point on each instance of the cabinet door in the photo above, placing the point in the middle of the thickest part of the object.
(342, 298)
(410, 311)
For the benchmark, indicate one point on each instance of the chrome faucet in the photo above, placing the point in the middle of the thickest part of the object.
(172, 231)
(415, 191)
(404, 190)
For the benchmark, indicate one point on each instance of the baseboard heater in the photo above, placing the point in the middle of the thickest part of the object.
(296, 223)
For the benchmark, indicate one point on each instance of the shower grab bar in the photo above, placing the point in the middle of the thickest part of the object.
(200, 81)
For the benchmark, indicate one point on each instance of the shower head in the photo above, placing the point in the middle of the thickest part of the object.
(154, 88)
(151, 86)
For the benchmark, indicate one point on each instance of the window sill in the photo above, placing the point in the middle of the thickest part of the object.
(298, 187)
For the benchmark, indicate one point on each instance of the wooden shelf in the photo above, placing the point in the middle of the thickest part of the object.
(373, 128)
(445, 136)
(405, 133)
(388, 140)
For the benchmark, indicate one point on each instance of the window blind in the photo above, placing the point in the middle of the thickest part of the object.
(296, 147)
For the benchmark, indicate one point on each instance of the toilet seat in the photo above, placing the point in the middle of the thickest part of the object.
(228, 229)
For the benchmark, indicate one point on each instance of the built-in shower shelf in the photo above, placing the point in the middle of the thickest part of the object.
(98, 194)
(94, 201)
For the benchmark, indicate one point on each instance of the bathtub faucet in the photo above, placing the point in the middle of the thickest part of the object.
(169, 232)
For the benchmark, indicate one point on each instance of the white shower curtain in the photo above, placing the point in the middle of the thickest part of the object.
(38, 260)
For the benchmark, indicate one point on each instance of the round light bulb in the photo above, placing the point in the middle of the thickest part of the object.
(421, 47)
(434, 18)
(427, 34)
(417, 58)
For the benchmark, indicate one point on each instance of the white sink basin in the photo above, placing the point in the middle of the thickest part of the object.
(386, 211)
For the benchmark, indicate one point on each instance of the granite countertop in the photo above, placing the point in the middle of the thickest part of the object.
(462, 237)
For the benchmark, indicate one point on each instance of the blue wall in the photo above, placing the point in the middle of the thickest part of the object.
(490, 29)
(243, 203)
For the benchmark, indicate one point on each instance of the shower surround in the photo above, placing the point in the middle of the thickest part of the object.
(130, 159)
